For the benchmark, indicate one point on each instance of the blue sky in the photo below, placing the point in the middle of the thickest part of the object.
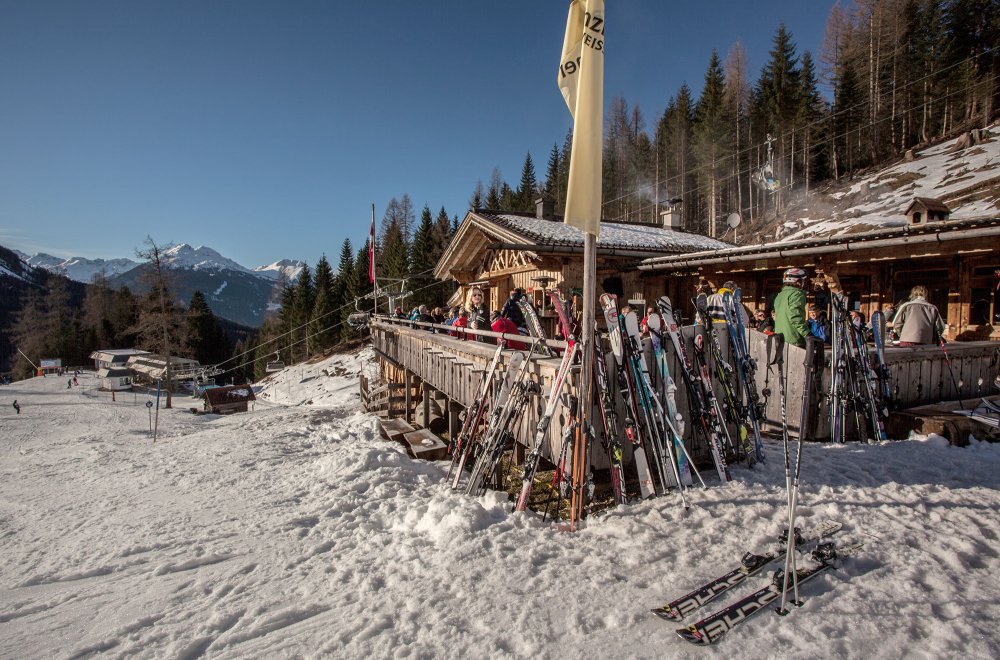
(266, 129)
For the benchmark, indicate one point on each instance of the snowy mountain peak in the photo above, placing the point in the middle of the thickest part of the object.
(183, 255)
(290, 268)
(80, 269)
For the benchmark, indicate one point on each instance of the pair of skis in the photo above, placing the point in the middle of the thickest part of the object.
(856, 383)
(711, 628)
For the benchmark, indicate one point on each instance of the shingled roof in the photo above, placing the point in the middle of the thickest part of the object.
(616, 235)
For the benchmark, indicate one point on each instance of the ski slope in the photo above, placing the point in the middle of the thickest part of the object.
(294, 530)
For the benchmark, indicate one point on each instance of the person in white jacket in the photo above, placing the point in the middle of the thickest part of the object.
(918, 322)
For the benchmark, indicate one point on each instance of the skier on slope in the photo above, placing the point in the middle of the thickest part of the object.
(917, 321)
(17, 407)
(790, 308)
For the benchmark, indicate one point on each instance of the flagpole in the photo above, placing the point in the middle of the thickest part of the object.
(374, 278)
(581, 81)
(581, 456)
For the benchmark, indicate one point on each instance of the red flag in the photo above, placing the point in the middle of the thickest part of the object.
(371, 250)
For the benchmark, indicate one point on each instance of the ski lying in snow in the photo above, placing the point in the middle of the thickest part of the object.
(751, 564)
(711, 629)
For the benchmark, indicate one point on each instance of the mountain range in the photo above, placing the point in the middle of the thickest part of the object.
(233, 291)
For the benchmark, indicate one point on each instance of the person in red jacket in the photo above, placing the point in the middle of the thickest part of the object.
(461, 322)
(504, 324)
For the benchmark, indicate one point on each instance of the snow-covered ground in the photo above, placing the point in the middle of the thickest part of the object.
(294, 530)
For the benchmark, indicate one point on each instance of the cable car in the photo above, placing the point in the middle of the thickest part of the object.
(274, 365)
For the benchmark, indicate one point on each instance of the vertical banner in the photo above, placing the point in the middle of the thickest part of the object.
(581, 81)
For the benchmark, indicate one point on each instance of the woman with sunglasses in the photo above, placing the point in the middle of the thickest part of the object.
(479, 315)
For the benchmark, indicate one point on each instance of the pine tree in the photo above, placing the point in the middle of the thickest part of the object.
(327, 298)
(349, 292)
(323, 333)
(507, 198)
(205, 340)
(552, 181)
(812, 109)
(420, 261)
(305, 299)
(564, 159)
(478, 196)
(524, 197)
(712, 139)
(393, 258)
(362, 281)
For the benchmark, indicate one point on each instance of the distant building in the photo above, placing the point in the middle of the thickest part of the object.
(229, 399)
(115, 379)
(117, 358)
(154, 367)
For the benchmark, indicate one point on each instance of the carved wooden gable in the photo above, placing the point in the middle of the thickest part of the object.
(507, 260)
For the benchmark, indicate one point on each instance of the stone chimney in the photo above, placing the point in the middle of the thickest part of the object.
(670, 217)
(545, 208)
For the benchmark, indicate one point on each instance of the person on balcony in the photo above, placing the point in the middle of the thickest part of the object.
(504, 324)
(512, 308)
(918, 322)
(479, 315)
(461, 322)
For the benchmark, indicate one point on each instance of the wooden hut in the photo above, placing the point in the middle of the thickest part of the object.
(501, 250)
(958, 261)
(229, 399)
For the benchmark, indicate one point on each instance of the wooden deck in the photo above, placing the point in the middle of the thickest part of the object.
(424, 365)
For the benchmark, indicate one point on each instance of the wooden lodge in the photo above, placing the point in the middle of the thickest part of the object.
(500, 251)
(427, 377)
(958, 261)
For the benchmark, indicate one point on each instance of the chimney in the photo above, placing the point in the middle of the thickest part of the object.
(670, 218)
(545, 208)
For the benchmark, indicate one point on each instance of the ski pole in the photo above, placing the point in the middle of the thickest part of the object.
(956, 384)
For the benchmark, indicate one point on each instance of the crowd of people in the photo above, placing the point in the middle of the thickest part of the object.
(475, 315)
(915, 322)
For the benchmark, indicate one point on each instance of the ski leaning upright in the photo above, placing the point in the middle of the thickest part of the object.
(533, 458)
(745, 365)
(703, 414)
(632, 429)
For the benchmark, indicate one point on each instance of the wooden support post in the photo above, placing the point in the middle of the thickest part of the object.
(454, 421)
(407, 385)
(426, 392)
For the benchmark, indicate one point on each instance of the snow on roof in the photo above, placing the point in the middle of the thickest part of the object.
(110, 354)
(613, 234)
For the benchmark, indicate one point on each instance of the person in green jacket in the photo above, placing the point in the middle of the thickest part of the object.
(790, 308)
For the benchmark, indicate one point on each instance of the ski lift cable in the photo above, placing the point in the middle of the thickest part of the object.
(299, 327)
(336, 324)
